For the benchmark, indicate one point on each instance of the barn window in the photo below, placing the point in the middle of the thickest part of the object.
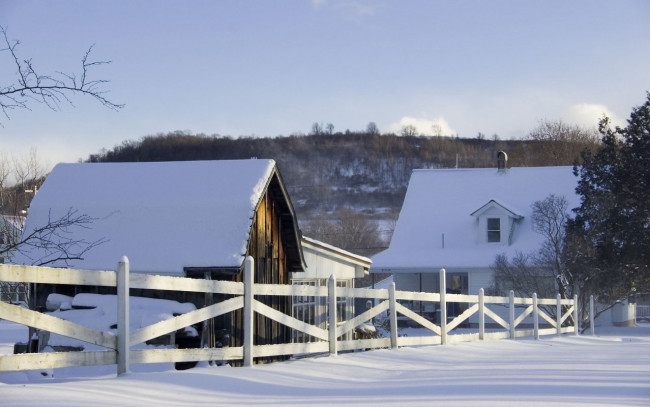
(493, 230)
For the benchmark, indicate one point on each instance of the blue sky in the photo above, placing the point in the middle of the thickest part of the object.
(269, 68)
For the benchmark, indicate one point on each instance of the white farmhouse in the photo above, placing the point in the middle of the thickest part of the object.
(460, 219)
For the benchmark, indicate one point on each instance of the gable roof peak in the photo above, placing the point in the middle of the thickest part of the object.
(493, 203)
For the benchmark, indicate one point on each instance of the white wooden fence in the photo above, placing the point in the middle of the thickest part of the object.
(642, 312)
(118, 347)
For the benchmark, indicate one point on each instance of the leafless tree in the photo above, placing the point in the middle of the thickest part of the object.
(5, 172)
(30, 85)
(348, 230)
(543, 271)
(559, 143)
(556, 266)
(372, 129)
(409, 131)
(550, 217)
(55, 240)
(20, 178)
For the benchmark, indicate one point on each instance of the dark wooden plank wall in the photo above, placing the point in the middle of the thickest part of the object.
(266, 246)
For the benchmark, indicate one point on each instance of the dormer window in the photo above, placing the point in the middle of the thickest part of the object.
(496, 223)
(494, 230)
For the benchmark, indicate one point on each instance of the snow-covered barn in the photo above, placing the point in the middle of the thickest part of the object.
(461, 219)
(193, 218)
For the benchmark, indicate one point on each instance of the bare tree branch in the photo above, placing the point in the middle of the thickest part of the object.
(55, 240)
(31, 86)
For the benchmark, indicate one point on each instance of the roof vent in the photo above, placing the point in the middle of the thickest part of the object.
(502, 161)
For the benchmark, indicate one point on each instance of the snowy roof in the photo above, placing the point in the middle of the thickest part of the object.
(356, 258)
(324, 260)
(436, 228)
(164, 216)
(494, 203)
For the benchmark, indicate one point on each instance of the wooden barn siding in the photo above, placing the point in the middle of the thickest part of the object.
(267, 247)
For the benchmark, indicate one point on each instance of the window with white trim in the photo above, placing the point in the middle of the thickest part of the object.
(494, 230)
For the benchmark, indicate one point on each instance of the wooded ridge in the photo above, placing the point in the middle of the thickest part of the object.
(340, 177)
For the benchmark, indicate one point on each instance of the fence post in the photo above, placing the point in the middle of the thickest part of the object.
(592, 318)
(576, 322)
(443, 307)
(331, 300)
(249, 334)
(512, 314)
(392, 309)
(123, 333)
(535, 317)
(558, 314)
(481, 314)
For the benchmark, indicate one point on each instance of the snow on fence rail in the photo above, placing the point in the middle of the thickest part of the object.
(331, 340)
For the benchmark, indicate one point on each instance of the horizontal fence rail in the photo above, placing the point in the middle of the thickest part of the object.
(332, 338)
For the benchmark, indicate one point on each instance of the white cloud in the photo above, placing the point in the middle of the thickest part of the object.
(424, 126)
(587, 115)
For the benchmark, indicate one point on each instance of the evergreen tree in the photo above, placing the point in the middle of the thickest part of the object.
(610, 234)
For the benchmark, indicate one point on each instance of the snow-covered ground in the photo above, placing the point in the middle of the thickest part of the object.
(609, 369)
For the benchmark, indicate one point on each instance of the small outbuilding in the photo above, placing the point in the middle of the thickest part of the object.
(186, 218)
(323, 261)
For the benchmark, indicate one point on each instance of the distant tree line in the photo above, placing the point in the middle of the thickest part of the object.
(331, 173)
